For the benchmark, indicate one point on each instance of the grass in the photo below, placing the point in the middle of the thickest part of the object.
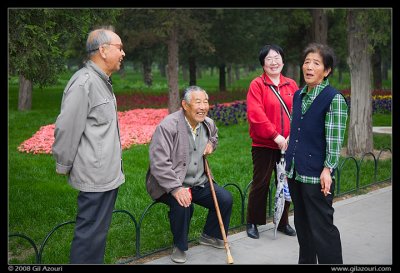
(381, 120)
(39, 200)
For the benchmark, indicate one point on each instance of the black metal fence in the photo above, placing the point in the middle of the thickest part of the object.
(242, 193)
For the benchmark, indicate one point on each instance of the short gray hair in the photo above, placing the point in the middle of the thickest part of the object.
(188, 91)
(97, 38)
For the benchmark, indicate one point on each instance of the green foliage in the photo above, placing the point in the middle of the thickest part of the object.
(32, 41)
(379, 26)
(40, 39)
(336, 39)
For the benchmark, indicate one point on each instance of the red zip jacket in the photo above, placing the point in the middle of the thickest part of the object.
(265, 114)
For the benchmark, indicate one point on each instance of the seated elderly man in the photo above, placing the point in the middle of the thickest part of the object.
(176, 175)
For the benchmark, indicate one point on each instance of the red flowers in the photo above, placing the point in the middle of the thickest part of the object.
(136, 127)
(40, 142)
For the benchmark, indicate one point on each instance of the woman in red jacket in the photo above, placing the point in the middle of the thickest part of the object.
(269, 131)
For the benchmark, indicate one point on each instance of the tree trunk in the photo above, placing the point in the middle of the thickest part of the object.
(360, 137)
(147, 76)
(162, 67)
(377, 68)
(319, 26)
(292, 71)
(246, 71)
(199, 72)
(173, 65)
(222, 80)
(340, 75)
(166, 71)
(192, 70)
(385, 70)
(25, 94)
(185, 76)
(302, 81)
(237, 73)
(229, 72)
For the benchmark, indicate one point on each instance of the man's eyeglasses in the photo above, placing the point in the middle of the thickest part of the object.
(119, 46)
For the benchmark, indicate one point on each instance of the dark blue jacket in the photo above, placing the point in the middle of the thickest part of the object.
(307, 142)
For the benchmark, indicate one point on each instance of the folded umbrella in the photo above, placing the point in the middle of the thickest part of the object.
(282, 191)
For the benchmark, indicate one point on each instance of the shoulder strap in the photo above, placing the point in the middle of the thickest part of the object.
(281, 101)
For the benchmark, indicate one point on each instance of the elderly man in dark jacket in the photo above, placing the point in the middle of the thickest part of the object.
(176, 175)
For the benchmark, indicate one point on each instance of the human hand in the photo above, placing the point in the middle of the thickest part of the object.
(183, 196)
(282, 142)
(326, 181)
(209, 149)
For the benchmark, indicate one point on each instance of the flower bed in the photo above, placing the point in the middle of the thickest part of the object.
(136, 127)
(381, 100)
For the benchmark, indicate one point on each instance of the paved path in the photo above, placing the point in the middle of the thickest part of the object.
(382, 129)
(364, 221)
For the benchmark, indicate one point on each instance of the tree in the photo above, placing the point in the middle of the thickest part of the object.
(142, 42)
(320, 26)
(196, 44)
(234, 38)
(38, 44)
(337, 39)
(365, 29)
(170, 27)
(293, 37)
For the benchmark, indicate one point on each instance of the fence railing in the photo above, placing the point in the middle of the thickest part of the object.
(38, 250)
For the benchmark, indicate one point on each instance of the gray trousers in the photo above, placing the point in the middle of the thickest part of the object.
(92, 225)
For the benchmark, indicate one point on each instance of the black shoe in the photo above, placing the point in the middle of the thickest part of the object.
(252, 231)
(288, 230)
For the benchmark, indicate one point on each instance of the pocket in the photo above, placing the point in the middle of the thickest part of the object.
(315, 162)
(102, 111)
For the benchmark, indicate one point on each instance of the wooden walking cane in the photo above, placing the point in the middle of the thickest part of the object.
(229, 258)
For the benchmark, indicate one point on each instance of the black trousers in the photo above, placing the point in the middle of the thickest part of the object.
(264, 162)
(92, 224)
(318, 237)
(179, 217)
